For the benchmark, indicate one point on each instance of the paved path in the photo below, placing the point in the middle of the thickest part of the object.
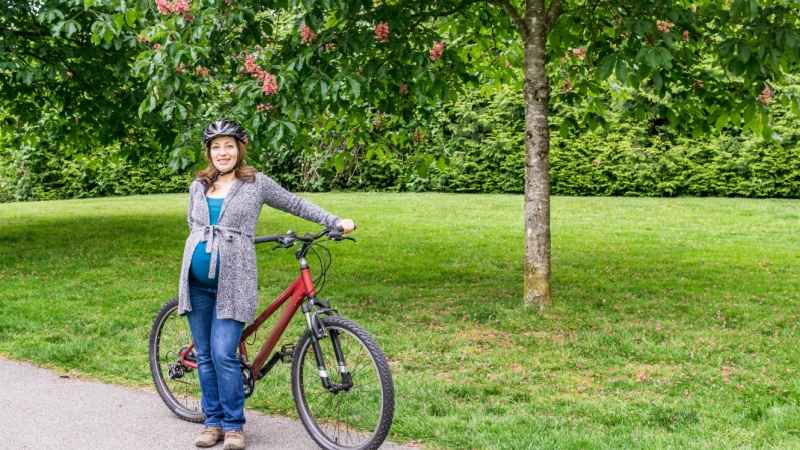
(41, 410)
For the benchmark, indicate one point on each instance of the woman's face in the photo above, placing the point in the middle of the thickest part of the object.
(224, 153)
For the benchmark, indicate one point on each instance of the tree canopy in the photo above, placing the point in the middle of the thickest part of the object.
(280, 66)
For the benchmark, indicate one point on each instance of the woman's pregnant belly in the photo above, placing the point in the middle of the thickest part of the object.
(201, 262)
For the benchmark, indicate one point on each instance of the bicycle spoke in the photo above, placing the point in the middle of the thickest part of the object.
(346, 415)
(175, 336)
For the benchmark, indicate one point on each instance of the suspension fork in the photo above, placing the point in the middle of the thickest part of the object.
(318, 333)
(347, 379)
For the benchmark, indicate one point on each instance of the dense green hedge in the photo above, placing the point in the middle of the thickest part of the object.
(482, 137)
(614, 163)
(473, 144)
(98, 173)
(35, 166)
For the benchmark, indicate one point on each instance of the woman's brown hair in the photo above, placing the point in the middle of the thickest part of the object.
(243, 172)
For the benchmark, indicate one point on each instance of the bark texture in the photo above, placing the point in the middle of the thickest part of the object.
(537, 163)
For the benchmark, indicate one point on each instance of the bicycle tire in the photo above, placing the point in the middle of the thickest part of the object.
(307, 387)
(186, 407)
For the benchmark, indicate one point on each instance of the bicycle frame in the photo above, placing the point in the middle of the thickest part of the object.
(301, 288)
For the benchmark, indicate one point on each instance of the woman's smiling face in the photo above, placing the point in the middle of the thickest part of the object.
(224, 153)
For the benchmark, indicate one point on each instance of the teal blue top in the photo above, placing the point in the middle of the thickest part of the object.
(201, 261)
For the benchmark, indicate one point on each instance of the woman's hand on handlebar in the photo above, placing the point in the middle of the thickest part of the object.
(346, 225)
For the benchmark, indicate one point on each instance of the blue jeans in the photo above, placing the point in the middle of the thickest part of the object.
(215, 342)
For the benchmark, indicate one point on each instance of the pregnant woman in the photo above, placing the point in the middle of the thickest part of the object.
(218, 274)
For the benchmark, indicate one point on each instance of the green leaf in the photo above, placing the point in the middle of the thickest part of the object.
(96, 33)
(143, 107)
(292, 128)
(593, 120)
(278, 135)
(721, 121)
(51, 15)
(735, 116)
(422, 168)
(758, 124)
(766, 129)
(130, 16)
(355, 87)
(658, 82)
(55, 30)
(749, 112)
(181, 112)
(166, 111)
(606, 66)
(338, 162)
(622, 71)
(324, 88)
(744, 53)
(754, 8)
(664, 57)
(651, 58)
(564, 128)
(108, 36)
(308, 87)
(71, 27)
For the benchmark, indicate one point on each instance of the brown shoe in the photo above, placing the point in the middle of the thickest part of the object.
(234, 440)
(209, 437)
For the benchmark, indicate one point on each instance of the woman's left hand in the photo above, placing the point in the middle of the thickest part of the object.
(347, 225)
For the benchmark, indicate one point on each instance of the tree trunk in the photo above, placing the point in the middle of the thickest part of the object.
(537, 164)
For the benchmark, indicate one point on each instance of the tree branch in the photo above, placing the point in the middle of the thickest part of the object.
(418, 18)
(552, 14)
(511, 10)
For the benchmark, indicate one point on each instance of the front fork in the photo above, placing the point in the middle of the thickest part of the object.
(318, 333)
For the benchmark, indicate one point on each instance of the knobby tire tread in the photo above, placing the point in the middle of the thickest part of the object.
(155, 371)
(384, 373)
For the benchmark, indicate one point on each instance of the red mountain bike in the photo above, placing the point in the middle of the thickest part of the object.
(341, 383)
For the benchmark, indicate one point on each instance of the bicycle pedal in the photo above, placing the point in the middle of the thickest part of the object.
(286, 353)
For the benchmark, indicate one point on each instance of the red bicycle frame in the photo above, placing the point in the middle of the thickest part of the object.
(301, 287)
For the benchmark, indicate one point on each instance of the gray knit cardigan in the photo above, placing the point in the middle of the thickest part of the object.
(232, 239)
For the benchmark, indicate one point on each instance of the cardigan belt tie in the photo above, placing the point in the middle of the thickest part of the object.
(210, 235)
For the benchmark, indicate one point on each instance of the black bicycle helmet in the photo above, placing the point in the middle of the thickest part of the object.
(224, 127)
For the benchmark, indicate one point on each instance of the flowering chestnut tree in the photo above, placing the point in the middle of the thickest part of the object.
(274, 65)
(695, 65)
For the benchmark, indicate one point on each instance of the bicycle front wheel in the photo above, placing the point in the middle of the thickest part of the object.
(355, 411)
(177, 384)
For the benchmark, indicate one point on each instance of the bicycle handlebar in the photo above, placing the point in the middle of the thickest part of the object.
(288, 239)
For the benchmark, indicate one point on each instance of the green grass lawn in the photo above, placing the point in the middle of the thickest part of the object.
(675, 321)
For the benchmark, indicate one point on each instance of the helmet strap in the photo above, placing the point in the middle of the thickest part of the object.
(221, 173)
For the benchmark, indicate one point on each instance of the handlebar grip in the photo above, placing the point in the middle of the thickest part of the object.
(262, 239)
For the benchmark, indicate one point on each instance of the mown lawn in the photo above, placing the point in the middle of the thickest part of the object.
(675, 322)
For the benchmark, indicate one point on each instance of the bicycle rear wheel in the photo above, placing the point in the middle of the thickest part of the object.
(357, 417)
(177, 384)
